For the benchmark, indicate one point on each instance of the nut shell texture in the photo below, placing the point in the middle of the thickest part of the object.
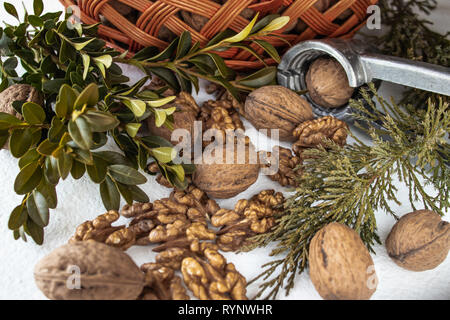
(340, 266)
(276, 107)
(106, 273)
(419, 241)
(327, 83)
(223, 181)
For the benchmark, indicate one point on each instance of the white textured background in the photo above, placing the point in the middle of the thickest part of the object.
(80, 200)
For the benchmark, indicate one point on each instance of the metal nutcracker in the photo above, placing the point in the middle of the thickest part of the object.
(362, 65)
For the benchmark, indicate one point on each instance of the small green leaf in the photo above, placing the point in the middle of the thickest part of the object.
(48, 191)
(160, 117)
(184, 44)
(11, 10)
(220, 64)
(113, 157)
(166, 53)
(66, 101)
(38, 209)
(138, 194)
(86, 64)
(31, 156)
(36, 232)
(106, 60)
(28, 178)
(164, 154)
(275, 24)
(33, 113)
(17, 218)
(178, 170)
(110, 195)
(35, 21)
(243, 34)
(65, 162)
(46, 147)
(89, 96)
(132, 129)
(78, 170)
(260, 78)
(38, 7)
(97, 172)
(100, 121)
(81, 133)
(270, 49)
(138, 107)
(4, 136)
(57, 130)
(126, 175)
(125, 192)
(20, 142)
(161, 102)
(51, 170)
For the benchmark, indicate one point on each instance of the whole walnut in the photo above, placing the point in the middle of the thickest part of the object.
(419, 241)
(277, 107)
(327, 83)
(184, 117)
(225, 180)
(96, 272)
(340, 266)
(18, 92)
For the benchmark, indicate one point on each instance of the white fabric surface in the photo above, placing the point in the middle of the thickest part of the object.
(79, 201)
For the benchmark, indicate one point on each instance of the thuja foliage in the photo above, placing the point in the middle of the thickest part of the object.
(87, 100)
(350, 184)
(408, 35)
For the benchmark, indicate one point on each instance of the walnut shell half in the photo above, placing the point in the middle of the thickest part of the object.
(105, 273)
(419, 241)
(340, 266)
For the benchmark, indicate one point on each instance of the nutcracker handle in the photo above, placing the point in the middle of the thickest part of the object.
(415, 74)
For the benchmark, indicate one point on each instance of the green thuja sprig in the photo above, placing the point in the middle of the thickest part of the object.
(351, 184)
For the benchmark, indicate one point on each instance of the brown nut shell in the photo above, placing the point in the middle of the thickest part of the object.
(106, 273)
(419, 241)
(277, 107)
(18, 92)
(327, 83)
(340, 266)
(223, 181)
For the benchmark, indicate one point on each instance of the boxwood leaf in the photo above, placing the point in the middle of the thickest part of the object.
(164, 154)
(17, 217)
(38, 209)
(100, 121)
(20, 142)
(28, 178)
(81, 133)
(126, 175)
(110, 195)
(89, 96)
(36, 232)
(97, 172)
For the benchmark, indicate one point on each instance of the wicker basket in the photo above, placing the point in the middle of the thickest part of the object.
(134, 24)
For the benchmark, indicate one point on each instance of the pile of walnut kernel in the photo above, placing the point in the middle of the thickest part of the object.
(178, 225)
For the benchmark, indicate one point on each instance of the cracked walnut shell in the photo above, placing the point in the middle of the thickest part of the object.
(313, 133)
(340, 265)
(419, 241)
